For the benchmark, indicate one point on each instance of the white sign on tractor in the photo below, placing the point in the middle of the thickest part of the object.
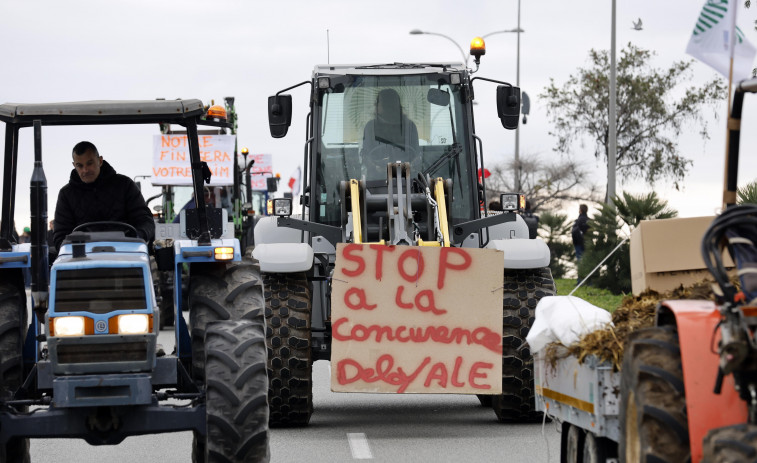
(171, 165)
(405, 319)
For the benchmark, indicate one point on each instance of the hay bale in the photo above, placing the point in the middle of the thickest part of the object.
(635, 312)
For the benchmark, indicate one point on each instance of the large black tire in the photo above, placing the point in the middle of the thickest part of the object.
(290, 364)
(236, 394)
(523, 289)
(217, 292)
(730, 444)
(164, 293)
(598, 449)
(573, 446)
(13, 318)
(653, 419)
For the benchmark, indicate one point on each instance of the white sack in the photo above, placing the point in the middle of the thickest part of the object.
(565, 319)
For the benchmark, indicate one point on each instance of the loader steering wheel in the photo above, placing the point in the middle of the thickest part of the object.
(127, 229)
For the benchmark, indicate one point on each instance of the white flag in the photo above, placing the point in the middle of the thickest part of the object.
(294, 181)
(714, 43)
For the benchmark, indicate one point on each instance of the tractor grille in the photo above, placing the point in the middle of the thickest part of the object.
(100, 290)
(102, 353)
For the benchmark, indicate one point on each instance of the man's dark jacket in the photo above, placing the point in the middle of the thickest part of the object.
(111, 197)
(580, 226)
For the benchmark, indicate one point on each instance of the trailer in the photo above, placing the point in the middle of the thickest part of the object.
(585, 398)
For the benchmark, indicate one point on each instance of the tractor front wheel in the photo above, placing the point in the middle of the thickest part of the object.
(653, 418)
(290, 364)
(236, 388)
(522, 291)
(12, 328)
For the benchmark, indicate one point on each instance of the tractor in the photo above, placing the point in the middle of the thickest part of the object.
(86, 359)
(406, 183)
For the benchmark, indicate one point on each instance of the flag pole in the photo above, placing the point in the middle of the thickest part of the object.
(729, 197)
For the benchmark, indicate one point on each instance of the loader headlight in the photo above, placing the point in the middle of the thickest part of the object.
(69, 326)
(282, 206)
(512, 202)
(224, 253)
(135, 323)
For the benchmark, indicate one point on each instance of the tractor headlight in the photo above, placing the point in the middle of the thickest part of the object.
(224, 253)
(69, 326)
(135, 323)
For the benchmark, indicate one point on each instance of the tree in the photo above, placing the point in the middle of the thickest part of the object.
(652, 110)
(747, 193)
(555, 230)
(546, 185)
(604, 236)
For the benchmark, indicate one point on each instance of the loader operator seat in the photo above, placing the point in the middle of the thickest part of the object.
(390, 136)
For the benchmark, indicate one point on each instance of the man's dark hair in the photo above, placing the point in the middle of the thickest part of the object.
(583, 208)
(84, 147)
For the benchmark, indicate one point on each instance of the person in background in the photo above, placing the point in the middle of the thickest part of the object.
(51, 235)
(96, 193)
(210, 201)
(580, 226)
(495, 205)
(531, 219)
(26, 237)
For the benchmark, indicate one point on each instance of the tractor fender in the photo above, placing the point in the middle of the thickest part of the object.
(509, 230)
(522, 253)
(268, 231)
(696, 321)
(283, 257)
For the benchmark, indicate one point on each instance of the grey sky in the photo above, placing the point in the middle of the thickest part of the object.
(86, 50)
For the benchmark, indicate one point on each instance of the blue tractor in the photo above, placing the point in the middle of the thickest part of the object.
(86, 359)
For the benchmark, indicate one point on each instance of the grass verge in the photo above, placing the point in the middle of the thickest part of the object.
(599, 297)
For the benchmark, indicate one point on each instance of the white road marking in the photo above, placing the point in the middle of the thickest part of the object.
(359, 446)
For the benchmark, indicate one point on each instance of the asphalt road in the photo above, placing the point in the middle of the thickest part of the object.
(352, 427)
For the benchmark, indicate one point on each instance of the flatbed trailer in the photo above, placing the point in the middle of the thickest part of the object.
(585, 399)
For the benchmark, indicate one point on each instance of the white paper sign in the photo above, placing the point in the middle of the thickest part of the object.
(262, 169)
(171, 165)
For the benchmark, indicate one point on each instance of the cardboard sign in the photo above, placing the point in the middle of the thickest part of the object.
(171, 165)
(262, 169)
(413, 319)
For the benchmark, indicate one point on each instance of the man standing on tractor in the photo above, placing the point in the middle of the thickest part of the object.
(96, 193)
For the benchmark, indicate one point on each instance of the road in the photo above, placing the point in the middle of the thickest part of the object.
(352, 427)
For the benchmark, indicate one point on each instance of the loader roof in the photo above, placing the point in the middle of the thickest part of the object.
(387, 68)
(101, 112)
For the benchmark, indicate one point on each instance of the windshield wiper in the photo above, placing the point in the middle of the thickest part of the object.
(452, 152)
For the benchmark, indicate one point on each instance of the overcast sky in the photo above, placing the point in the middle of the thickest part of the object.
(87, 50)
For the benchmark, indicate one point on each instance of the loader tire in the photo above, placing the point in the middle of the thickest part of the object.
(236, 389)
(290, 365)
(13, 318)
(653, 418)
(522, 291)
(217, 292)
(730, 443)
(164, 293)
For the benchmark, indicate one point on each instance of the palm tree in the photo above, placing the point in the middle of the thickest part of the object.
(748, 194)
(633, 209)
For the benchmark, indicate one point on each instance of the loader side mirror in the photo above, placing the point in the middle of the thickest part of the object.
(279, 114)
(508, 106)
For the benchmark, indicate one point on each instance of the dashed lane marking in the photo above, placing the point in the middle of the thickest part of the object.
(359, 446)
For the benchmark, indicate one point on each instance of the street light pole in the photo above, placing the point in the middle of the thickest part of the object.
(518, 31)
(465, 57)
(612, 142)
(517, 127)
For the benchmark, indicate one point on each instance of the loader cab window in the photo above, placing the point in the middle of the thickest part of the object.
(373, 120)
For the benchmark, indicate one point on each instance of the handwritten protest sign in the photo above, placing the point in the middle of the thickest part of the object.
(412, 319)
(262, 169)
(171, 165)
